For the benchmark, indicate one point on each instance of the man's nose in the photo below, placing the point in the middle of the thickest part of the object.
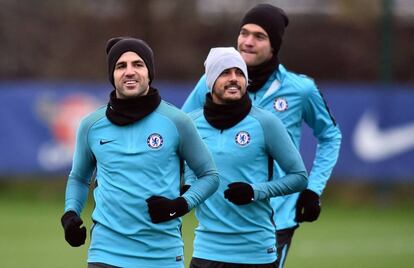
(249, 40)
(233, 76)
(129, 70)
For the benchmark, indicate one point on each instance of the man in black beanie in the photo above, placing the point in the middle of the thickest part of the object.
(115, 47)
(294, 99)
(135, 146)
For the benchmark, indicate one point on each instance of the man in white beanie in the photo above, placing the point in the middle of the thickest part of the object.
(235, 224)
(297, 101)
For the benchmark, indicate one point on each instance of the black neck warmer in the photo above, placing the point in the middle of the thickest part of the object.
(122, 112)
(258, 75)
(224, 116)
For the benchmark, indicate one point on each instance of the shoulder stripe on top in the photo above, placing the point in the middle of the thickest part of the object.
(327, 108)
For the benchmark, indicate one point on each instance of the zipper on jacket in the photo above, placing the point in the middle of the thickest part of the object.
(220, 141)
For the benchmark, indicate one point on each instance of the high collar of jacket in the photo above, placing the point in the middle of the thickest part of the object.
(123, 112)
(224, 116)
(258, 75)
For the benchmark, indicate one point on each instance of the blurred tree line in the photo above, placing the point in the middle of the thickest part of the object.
(338, 40)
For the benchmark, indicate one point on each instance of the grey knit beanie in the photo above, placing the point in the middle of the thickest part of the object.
(220, 59)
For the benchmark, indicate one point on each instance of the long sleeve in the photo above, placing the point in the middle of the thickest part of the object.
(199, 160)
(325, 129)
(83, 166)
(281, 148)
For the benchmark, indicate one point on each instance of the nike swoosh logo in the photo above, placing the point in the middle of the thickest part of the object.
(102, 142)
(172, 214)
(373, 144)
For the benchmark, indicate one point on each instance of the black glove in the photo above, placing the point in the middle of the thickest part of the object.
(74, 234)
(184, 189)
(163, 209)
(308, 206)
(239, 193)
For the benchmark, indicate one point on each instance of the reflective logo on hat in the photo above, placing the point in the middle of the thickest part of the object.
(155, 141)
(242, 138)
(280, 104)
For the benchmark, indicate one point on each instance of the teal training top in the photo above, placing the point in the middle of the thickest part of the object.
(294, 99)
(245, 234)
(132, 163)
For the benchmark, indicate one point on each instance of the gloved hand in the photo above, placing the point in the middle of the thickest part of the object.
(162, 209)
(74, 234)
(184, 189)
(239, 193)
(308, 206)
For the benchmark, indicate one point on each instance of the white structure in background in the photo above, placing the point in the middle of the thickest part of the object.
(373, 144)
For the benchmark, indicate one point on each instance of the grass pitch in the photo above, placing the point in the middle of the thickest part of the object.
(344, 236)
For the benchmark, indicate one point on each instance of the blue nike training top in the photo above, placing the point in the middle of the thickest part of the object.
(132, 163)
(245, 234)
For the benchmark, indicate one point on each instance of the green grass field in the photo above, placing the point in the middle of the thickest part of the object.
(344, 236)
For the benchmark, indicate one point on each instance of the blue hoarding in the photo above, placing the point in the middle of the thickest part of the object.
(39, 120)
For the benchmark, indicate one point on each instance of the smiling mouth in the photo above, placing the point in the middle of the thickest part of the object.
(131, 82)
(233, 87)
(248, 52)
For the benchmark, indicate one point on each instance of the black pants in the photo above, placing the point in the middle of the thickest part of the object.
(100, 265)
(284, 239)
(202, 263)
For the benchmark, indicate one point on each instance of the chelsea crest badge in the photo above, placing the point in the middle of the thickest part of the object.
(242, 138)
(280, 104)
(155, 141)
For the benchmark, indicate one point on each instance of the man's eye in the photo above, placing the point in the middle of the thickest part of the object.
(139, 64)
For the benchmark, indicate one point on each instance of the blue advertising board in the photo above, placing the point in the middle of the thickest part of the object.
(39, 121)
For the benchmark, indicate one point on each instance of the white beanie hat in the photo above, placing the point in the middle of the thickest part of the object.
(220, 59)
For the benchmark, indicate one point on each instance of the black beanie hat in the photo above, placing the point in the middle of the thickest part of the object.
(272, 19)
(117, 46)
